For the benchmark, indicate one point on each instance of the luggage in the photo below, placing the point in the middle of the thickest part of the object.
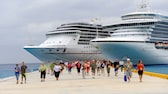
(125, 78)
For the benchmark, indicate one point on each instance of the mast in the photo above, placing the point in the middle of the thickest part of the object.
(143, 6)
(95, 23)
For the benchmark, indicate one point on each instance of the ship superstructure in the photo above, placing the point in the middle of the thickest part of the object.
(70, 42)
(135, 37)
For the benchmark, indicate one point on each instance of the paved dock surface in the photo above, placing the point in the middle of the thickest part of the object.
(74, 84)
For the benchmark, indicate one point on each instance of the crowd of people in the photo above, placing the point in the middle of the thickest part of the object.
(95, 67)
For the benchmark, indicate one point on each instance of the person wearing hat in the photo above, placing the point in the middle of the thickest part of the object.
(128, 69)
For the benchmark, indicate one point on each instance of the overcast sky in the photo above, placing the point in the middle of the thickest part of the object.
(24, 22)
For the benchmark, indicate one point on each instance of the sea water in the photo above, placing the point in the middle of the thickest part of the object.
(163, 69)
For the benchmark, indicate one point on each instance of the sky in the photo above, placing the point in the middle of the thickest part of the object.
(24, 22)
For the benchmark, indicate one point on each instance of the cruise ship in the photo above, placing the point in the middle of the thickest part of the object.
(69, 42)
(137, 36)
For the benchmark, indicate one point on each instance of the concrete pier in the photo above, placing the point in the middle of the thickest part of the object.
(74, 84)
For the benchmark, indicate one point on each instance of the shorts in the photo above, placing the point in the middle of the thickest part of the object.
(115, 69)
(129, 74)
(108, 70)
(57, 74)
(24, 75)
(78, 69)
(93, 70)
(121, 66)
(140, 72)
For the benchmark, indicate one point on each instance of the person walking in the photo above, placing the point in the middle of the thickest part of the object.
(88, 68)
(108, 65)
(116, 67)
(52, 68)
(17, 73)
(43, 69)
(121, 63)
(98, 64)
(128, 69)
(78, 66)
(23, 72)
(84, 64)
(93, 68)
(140, 68)
(102, 65)
(57, 70)
(69, 67)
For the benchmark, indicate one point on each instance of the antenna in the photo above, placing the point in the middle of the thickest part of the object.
(144, 6)
(95, 22)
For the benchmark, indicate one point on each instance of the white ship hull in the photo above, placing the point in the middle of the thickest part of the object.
(64, 53)
(134, 50)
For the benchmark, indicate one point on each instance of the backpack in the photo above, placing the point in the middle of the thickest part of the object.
(125, 78)
(102, 65)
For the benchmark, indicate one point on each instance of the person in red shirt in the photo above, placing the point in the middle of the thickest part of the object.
(140, 68)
